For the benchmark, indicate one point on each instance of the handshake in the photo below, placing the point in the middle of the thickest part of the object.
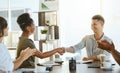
(60, 50)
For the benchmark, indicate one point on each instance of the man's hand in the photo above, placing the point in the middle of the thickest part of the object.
(86, 59)
(105, 45)
(94, 58)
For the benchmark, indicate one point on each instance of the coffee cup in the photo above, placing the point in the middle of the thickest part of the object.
(107, 66)
(102, 58)
(41, 69)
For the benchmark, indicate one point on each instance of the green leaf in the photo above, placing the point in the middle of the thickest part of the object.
(43, 31)
(44, 6)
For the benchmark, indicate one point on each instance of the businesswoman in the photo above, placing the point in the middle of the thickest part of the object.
(27, 26)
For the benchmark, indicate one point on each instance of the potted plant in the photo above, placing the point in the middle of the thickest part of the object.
(44, 31)
(44, 34)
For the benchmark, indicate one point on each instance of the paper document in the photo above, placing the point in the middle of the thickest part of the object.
(84, 62)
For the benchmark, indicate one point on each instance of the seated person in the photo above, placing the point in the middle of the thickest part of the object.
(105, 45)
(90, 41)
(27, 26)
(6, 63)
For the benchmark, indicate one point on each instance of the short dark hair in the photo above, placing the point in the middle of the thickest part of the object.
(98, 17)
(24, 20)
(3, 25)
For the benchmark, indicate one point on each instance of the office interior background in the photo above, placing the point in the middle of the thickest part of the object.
(74, 18)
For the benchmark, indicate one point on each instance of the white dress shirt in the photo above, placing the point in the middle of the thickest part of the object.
(90, 43)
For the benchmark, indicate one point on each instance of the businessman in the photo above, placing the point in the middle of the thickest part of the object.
(90, 41)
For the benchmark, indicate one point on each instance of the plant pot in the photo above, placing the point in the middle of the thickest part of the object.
(43, 36)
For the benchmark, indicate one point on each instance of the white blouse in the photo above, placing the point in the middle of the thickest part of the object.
(6, 63)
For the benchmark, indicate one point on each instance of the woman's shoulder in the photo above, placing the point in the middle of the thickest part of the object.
(24, 39)
(2, 46)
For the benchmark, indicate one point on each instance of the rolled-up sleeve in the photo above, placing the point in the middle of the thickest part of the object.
(80, 45)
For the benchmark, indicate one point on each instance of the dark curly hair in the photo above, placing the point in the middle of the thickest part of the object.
(3, 25)
(24, 20)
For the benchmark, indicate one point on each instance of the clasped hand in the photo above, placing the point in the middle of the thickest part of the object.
(61, 50)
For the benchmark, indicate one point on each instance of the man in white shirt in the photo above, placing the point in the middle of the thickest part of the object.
(90, 41)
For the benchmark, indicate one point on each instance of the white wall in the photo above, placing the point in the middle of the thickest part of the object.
(4, 4)
(111, 12)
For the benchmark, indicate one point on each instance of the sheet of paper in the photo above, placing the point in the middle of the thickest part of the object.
(84, 62)
(50, 63)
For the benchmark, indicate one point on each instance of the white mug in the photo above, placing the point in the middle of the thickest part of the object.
(41, 69)
(107, 65)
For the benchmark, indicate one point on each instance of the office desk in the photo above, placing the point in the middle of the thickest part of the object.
(81, 68)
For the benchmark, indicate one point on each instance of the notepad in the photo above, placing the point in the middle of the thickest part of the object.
(95, 64)
(85, 62)
(49, 64)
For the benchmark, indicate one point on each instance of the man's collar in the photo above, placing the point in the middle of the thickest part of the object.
(102, 37)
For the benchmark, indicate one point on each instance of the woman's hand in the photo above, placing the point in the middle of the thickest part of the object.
(105, 45)
(25, 54)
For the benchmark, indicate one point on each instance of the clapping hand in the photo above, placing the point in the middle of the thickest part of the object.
(25, 54)
(105, 45)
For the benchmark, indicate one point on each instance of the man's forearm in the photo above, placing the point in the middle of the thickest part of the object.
(94, 58)
(70, 49)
